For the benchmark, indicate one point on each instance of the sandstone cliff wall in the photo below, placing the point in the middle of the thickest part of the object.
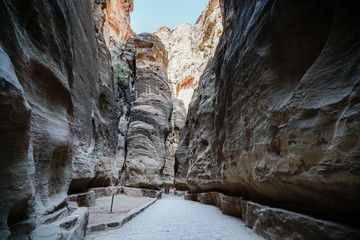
(60, 110)
(115, 17)
(275, 117)
(189, 49)
(150, 114)
(167, 66)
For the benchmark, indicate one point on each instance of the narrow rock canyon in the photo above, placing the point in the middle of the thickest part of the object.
(255, 109)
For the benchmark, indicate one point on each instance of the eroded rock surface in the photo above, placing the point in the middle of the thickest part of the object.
(59, 112)
(275, 223)
(151, 109)
(275, 117)
(157, 111)
(189, 49)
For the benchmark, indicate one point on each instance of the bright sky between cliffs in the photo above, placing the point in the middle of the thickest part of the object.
(149, 15)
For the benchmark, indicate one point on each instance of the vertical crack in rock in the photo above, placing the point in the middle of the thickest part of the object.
(168, 67)
(150, 113)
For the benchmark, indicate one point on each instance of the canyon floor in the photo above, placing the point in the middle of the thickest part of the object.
(172, 217)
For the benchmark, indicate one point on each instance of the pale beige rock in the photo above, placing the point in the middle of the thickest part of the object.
(190, 48)
(176, 124)
(187, 58)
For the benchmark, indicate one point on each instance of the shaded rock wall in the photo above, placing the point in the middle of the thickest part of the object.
(60, 110)
(275, 117)
(112, 28)
(78, 96)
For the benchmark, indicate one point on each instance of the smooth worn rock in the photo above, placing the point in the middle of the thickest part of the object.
(273, 223)
(59, 109)
(275, 117)
(14, 143)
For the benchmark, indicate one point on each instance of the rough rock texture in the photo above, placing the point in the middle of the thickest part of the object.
(274, 223)
(177, 122)
(115, 17)
(150, 114)
(112, 27)
(190, 48)
(59, 110)
(275, 117)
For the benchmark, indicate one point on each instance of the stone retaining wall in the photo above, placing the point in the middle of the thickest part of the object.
(87, 199)
(275, 223)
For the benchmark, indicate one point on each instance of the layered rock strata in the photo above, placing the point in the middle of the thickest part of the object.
(112, 28)
(150, 115)
(275, 117)
(189, 49)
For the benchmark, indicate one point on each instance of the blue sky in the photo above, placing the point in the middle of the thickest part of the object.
(149, 15)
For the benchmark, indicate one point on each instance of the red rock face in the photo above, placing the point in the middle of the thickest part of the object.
(187, 82)
(118, 19)
(113, 20)
(275, 117)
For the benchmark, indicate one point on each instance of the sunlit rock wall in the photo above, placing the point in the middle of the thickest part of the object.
(150, 115)
(190, 48)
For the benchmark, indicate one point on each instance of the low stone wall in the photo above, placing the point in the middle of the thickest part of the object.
(125, 208)
(87, 199)
(275, 223)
